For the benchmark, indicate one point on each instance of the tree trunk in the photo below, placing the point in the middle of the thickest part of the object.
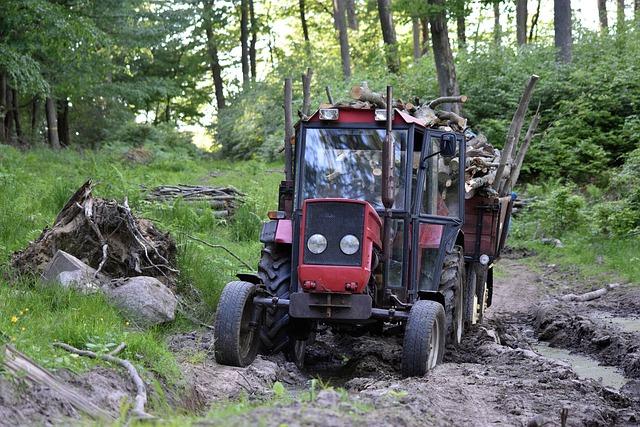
(244, 41)
(497, 29)
(521, 22)
(534, 23)
(16, 116)
(3, 107)
(352, 16)
(636, 11)
(52, 124)
(424, 23)
(64, 133)
(303, 20)
(167, 111)
(620, 16)
(389, 35)
(254, 39)
(212, 49)
(562, 29)
(34, 119)
(343, 36)
(602, 15)
(417, 48)
(445, 67)
(8, 118)
(461, 30)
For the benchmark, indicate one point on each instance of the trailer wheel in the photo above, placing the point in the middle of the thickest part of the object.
(471, 300)
(452, 287)
(274, 270)
(481, 297)
(424, 338)
(236, 333)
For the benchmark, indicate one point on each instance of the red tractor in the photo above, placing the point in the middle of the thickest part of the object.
(370, 231)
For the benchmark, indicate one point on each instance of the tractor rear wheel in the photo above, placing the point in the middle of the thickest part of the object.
(424, 338)
(274, 270)
(452, 281)
(236, 333)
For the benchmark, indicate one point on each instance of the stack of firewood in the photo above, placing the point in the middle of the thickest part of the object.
(489, 172)
(223, 200)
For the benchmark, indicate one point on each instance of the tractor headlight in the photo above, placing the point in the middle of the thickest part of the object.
(349, 244)
(317, 243)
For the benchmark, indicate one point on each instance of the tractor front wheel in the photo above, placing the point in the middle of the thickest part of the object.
(236, 331)
(424, 338)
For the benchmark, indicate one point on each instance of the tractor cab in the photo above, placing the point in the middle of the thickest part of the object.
(367, 234)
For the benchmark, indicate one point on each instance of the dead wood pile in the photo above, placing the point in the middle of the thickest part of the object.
(105, 235)
(223, 200)
(489, 172)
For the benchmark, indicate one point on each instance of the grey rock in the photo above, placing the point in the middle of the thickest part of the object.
(144, 300)
(327, 398)
(68, 271)
(79, 280)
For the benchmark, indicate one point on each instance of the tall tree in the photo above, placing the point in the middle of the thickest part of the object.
(636, 11)
(64, 131)
(389, 35)
(244, 41)
(620, 16)
(343, 36)
(562, 29)
(3, 106)
(212, 50)
(497, 28)
(52, 123)
(602, 15)
(302, 5)
(352, 16)
(254, 38)
(445, 67)
(521, 21)
(424, 23)
(416, 32)
(534, 23)
(461, 27)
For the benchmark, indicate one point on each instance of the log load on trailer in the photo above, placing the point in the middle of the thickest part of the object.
(390, 214)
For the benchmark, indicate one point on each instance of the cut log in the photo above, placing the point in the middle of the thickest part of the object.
(363, 93)
(18, 365)
(517, 165)
(589, 295)
(447, 100)
(452, 117)
(306, 92)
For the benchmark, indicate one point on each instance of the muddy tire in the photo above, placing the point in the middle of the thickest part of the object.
(237, 339)
(452, 280)
(470, 299)
(424, 338)
(274, 270)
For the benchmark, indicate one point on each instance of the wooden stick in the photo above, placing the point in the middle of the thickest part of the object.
(514, 130)
(19, 365)
(288, 130)
(141, 390)
(517, 165)
(306, 92)
(211, 245)
(447, 100)
(329, 97)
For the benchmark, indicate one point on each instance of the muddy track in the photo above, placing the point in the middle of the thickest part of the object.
(497, 376)
(494, 377)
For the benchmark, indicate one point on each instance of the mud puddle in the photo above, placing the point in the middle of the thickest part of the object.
(584, 366)
(626, 324)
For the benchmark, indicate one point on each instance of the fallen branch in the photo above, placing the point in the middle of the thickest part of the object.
(447, 100)
(19, 365)
(141, 390)
(590, 295)
(211, 245)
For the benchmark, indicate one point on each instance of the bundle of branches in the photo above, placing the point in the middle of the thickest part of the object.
(223, 200)
(105, 235)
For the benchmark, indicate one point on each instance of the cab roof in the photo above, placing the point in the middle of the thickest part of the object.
(366, 116)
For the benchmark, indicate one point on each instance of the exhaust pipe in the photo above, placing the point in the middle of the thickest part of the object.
(388, 189)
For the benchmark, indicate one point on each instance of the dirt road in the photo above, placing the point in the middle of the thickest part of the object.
(498, 376)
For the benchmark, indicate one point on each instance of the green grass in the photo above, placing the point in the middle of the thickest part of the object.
(604, 258)
(34, 185)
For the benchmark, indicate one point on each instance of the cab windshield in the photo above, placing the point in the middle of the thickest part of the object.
(347, 163)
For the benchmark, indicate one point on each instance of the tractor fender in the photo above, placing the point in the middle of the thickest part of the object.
(277, 231)
(249, 277)
(432, 296)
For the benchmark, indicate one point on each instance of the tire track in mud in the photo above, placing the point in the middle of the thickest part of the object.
(493, 378)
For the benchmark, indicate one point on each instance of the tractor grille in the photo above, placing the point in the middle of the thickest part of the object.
(334, 220)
